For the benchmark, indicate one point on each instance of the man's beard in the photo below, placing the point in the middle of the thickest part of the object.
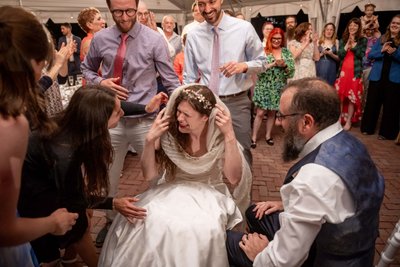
(290, 33)
(293, 143)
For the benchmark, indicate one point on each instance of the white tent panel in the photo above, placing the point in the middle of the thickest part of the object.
(67, 11)
(319, 11)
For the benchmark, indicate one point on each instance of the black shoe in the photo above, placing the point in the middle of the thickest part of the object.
(270, 141)
(253, 144)
(101, 236)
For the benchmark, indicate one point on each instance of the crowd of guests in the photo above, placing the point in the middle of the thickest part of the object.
(312, 86)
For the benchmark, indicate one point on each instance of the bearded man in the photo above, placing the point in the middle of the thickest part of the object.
(331, 197)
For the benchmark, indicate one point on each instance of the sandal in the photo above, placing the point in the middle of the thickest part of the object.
(270, 141)
(253, 144)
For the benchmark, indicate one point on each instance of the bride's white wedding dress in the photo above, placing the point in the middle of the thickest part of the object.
(187, 218)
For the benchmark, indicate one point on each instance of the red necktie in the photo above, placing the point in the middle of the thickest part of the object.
(119, 58)
(214, 77)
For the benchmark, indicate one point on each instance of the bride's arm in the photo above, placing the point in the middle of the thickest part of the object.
(148, 160)
(233, 160)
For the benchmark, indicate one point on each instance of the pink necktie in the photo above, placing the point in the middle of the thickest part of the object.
(214, 79)
(119, 58)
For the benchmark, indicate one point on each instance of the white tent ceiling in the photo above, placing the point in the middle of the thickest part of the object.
(67, 10)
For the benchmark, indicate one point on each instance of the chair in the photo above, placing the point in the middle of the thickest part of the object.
(393, 244)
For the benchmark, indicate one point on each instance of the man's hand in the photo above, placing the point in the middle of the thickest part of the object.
(231, 68)
(125, 207)
(156, 101)
(267, 207)
(112, 83)
(252, 244)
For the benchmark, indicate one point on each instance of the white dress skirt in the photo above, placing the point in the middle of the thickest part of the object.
(185, 226)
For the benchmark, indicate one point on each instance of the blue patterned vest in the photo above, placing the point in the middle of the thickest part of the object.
(351, 243)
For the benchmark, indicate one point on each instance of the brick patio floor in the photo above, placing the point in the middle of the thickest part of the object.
(269, 171)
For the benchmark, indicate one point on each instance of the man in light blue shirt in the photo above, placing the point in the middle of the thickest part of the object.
(240, 55)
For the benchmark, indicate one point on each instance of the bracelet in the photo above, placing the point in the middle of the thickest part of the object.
(113, 205)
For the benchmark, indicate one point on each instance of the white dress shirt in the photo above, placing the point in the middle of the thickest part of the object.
(238, 42)
(190, 26)
(316, 195)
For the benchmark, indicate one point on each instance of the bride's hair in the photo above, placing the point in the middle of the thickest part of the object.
(200, 99)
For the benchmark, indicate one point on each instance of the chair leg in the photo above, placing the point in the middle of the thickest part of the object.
(393, 244)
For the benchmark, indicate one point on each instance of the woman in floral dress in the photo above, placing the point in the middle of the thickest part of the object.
(304, 49)
(267, 91)
(349, 83)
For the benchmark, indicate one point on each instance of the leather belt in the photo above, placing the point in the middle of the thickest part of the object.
(233, 95)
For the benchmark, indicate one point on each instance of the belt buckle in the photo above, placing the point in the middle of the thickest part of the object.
(232, 95)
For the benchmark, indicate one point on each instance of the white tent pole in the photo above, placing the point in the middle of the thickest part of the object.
(338, 11)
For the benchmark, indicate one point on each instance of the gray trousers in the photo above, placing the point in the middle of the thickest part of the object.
(240, 108)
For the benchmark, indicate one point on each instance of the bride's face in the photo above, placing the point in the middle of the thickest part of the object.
(189, 120)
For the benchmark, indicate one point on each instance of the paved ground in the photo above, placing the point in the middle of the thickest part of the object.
(269, 171)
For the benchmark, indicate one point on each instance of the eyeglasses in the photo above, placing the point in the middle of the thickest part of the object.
(276, 39)
(280, 117)
(145, 14)
(130, 12)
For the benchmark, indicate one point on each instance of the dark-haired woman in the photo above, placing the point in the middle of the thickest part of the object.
(69, 168)
(384, 84)
(24, 51)
(349, 82)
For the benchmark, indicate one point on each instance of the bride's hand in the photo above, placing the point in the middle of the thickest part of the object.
(224, 121)
(159, 127)
(125, 207)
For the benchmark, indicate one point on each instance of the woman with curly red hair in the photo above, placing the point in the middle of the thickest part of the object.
(267, 91)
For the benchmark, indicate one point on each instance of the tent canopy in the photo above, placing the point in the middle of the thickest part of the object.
(319, 11)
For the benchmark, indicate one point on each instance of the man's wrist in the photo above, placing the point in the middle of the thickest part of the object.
(244, 67)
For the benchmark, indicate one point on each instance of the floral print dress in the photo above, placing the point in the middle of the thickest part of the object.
(349, 88)
(267, 92)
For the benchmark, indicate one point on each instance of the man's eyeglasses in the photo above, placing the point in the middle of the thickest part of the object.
(280, 117)
(130, 12)
(145, 14)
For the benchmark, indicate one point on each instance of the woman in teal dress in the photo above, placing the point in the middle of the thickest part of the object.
(267, 91)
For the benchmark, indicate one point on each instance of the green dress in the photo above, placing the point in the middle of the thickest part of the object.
(267, 92)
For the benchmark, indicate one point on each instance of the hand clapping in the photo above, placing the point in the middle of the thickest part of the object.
(388, 48)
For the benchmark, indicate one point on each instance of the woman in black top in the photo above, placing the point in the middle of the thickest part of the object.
(69, 168)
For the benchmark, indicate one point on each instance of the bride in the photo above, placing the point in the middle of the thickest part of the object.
(193, 145)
